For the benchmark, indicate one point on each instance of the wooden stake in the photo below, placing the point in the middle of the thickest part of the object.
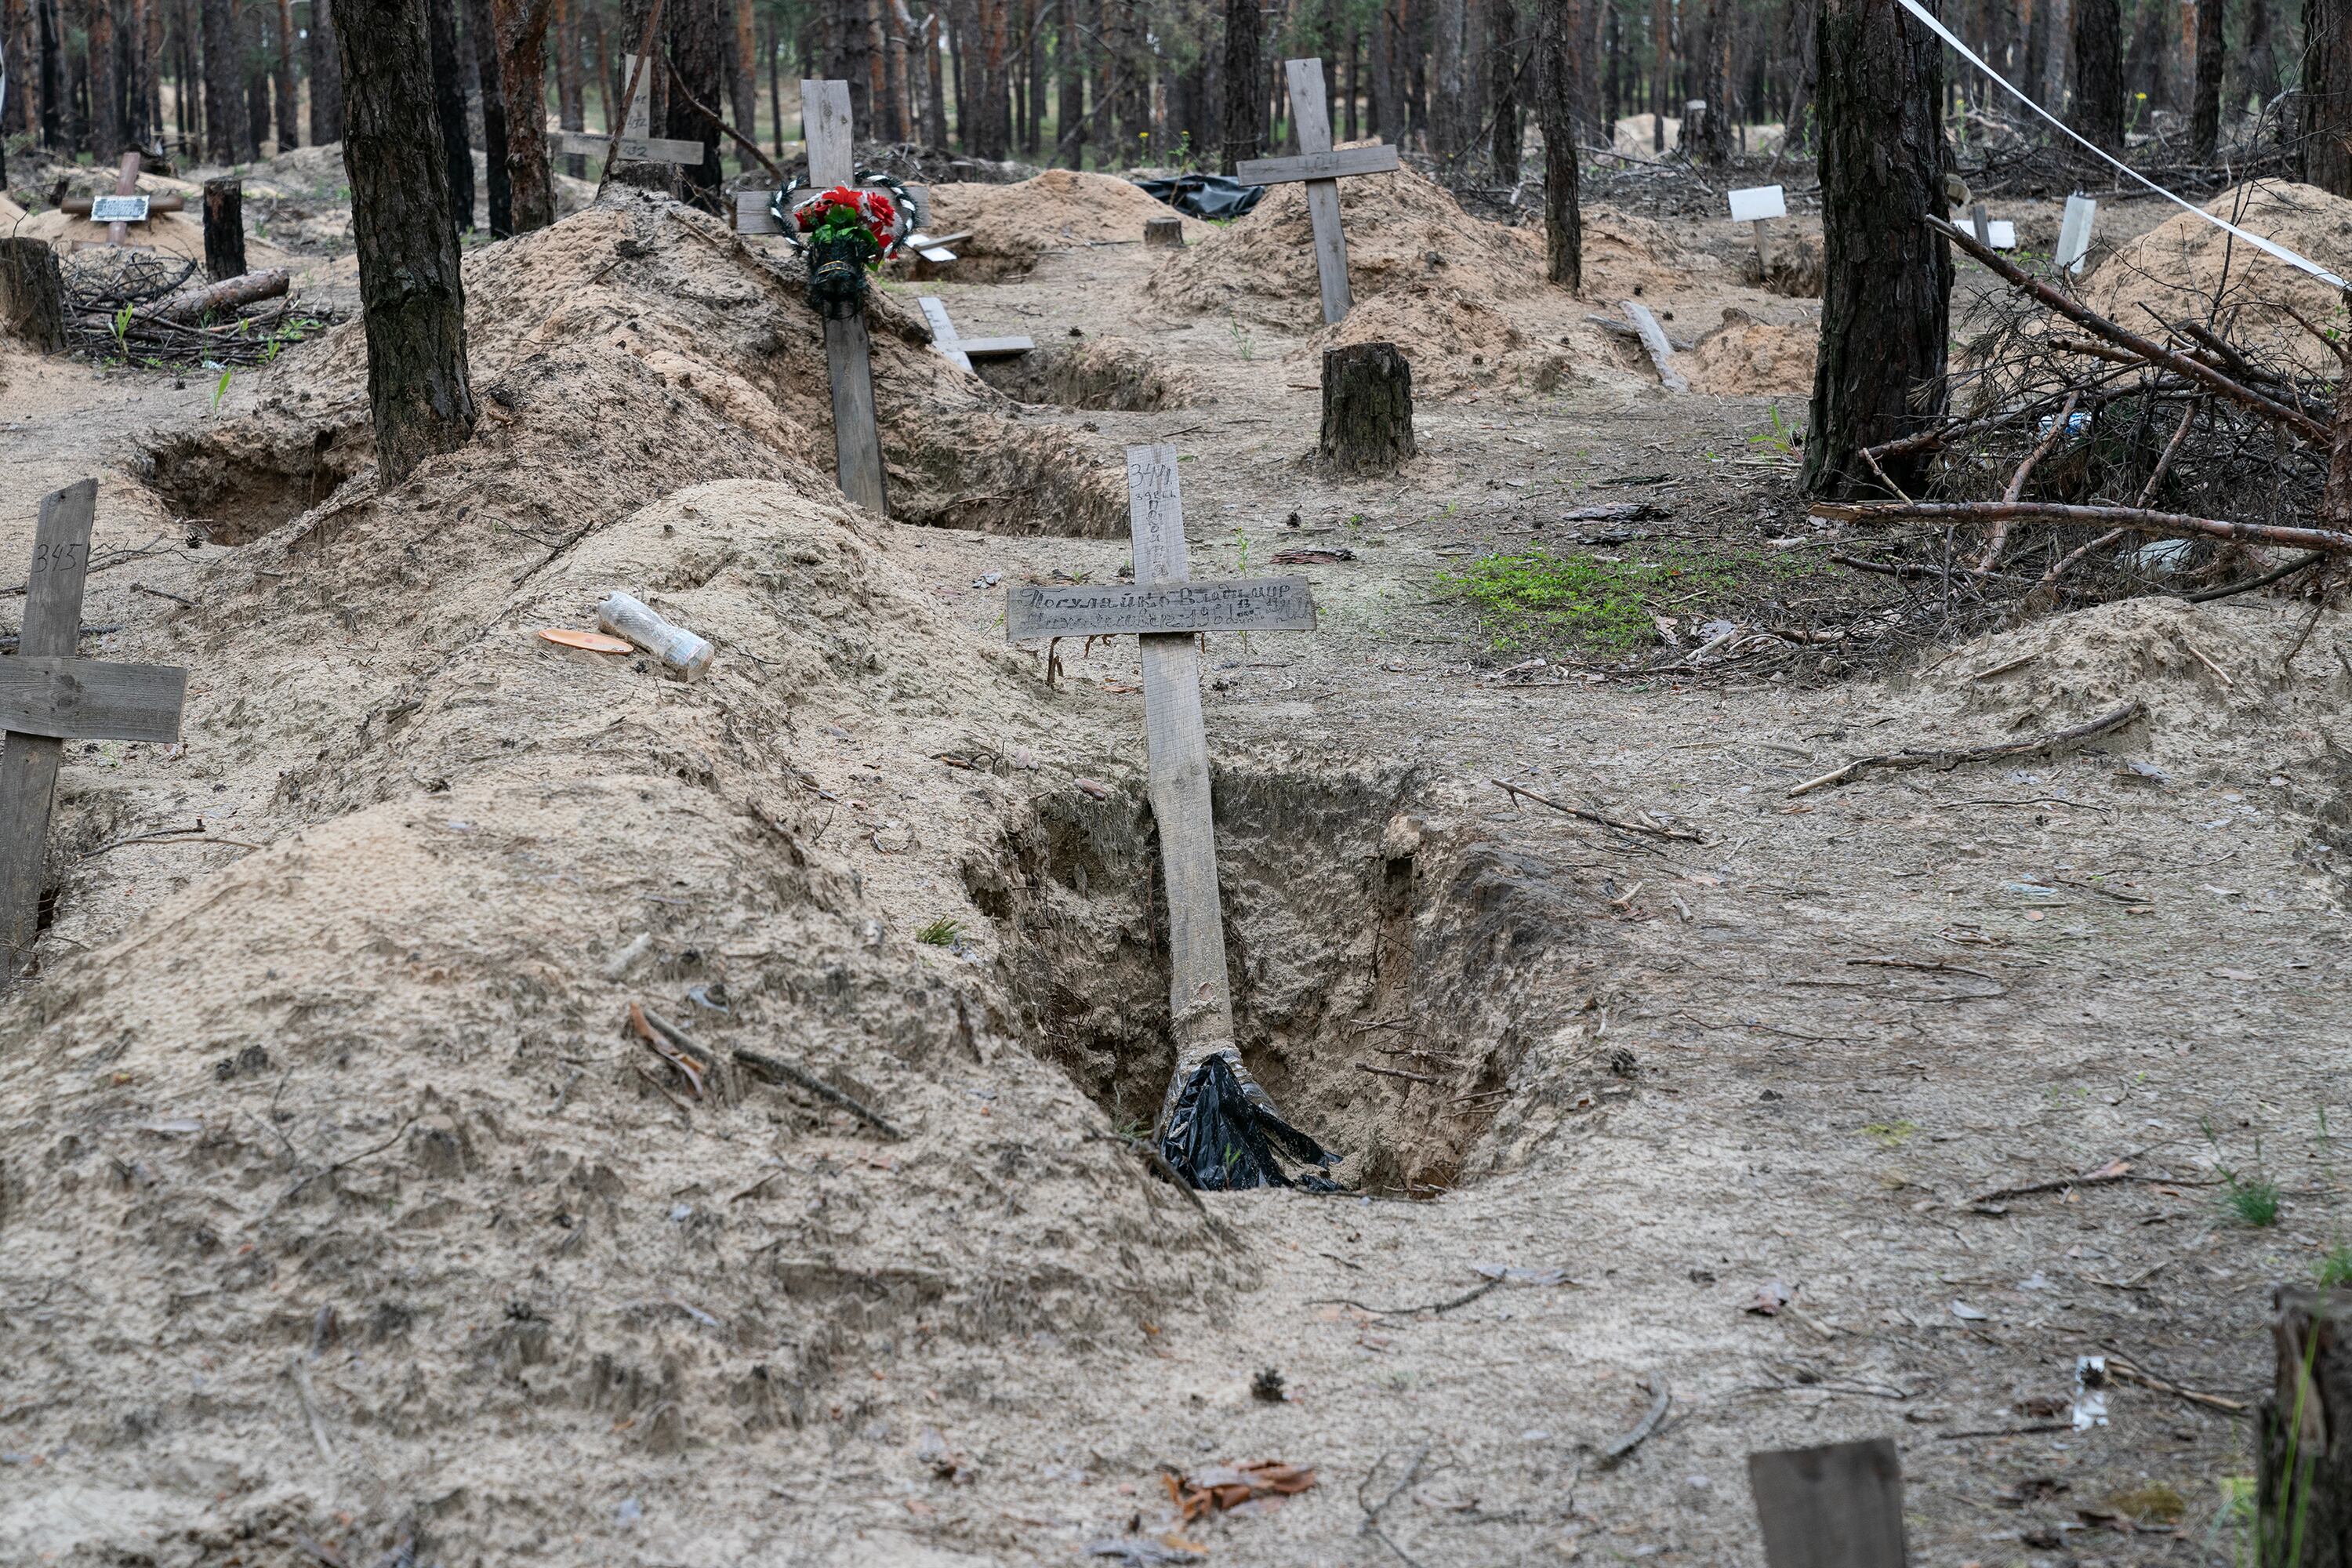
(1834, 1507)
(1321, 168)
(126, 184)
(848, 349)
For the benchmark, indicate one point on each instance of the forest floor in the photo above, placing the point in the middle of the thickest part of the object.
(338, 1205)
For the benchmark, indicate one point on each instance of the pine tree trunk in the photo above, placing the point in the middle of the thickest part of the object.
(289, 134)
(521, 46)
(742, 82)
(1367, 408)
(224, 94)
(2098, 110)
(935, 89)
(449, 109)
(412, 294)
(2302, 1434)
(2323, 106)
(1887, 297)
(2037, 48)
(223, 229)
(52, 31)
(1448, 136)
(1245, 78)
(1662, 69)
(326, 76)
(2205, 113)
(1714, 142)
(106, 133)
(2261, 54)
(1556, 107)
(253, 39)
(570, 89)
(697, 46)
(1070, 68)
(481, 40)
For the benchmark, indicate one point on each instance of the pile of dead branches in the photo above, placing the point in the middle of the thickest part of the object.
(2088, 459)
(139, 308)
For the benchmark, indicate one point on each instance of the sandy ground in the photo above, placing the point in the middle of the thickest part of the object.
(1706, 1085)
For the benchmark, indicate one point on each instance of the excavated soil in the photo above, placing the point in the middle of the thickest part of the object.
(1094, 372)
(1011, 225)
(1746, 356)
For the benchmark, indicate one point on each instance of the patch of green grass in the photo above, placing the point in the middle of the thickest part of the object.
(2253, 1199)
(942, 932)
(2335, 1269)
(1538, 599)
(1890, 1135)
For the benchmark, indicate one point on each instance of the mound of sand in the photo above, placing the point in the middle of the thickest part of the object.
(2186, 269)
(176, 234)
(1011, 225)
(1746, 356)
(1458, 341)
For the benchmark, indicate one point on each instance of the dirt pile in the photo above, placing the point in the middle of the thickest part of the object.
(1458, 341)
(1745, 356)
(179, 235)
(2186, 269)
(1011, 225)
(643, 330)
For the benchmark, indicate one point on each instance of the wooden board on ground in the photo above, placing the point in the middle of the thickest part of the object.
(1834, 1507)
(48, 695)
(1653, 337)
(1321, 168)
(961, 350)
(1034, 610)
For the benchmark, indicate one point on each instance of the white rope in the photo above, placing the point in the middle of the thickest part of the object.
(2270, 247)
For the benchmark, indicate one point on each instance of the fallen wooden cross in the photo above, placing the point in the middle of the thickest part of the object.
(1167, 610)
(1322, 169)
(1834, 1507)
(637, 142)
(962, 351)
(1653, 337)
(47, 696)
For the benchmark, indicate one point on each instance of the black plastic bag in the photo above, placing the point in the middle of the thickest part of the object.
(1219, 1141)
(1205, 196)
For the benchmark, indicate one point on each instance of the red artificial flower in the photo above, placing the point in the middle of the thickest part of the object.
(871, 209)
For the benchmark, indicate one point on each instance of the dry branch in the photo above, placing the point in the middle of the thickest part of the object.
(2167, 524)
(1952, 758)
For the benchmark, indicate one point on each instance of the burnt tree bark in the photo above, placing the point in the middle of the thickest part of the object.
(326, 76)
(697, 53)
(412, 295)
(1556, 67)
(1245, 84)
(1887, 286)
(1713, 143)
(224, 228)
(522, 49)
(1503, 25)
(32, 294)
(481, 38)
(2097, 116)
(2205, 111)
(448, 109)
(2303, 1434)
(224, 84)
(2323, 106)
(253, 39)
(1367, 408)
(289, 134)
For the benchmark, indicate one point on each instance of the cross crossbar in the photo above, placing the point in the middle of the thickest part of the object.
(1034, 610)
(1332, 165)
(638, 143)
(961, 351)
(1322, 169)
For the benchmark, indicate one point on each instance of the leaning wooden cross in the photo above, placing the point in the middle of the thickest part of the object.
(47, 697)
(125, 206)
(638, 143)
(1322, 169)
(1167, 610)
(961, 351)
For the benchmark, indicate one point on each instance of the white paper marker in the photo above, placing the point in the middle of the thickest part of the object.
(2001, 234)
(2075, 233)
(1758, 202)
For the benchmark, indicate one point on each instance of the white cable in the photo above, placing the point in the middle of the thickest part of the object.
(2256, 240)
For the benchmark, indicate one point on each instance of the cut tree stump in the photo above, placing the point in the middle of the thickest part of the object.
(1367, 408)
(223, 229)
(1164, 232)
(32, 294)
(2303, 1434)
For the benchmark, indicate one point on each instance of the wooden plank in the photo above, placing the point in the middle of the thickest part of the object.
(1034, 610)
(126, 181)
(751, 214)
(1199, 997)
(639, 149)
(28, 764)
(995, 348)
(90, 699)
(637, 119)
(1313, 120)
(1834, 1507)
(1653, 337)
(824, 123)
(1331, 165)
(856, 440)
(943, 332)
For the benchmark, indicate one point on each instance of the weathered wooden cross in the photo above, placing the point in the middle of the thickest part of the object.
(1322, 169)
(125, 206)
(962, 351)
(1167, 609)
(638, 143)
(49, 696)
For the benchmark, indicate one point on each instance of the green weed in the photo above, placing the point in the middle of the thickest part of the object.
(2253, 1199)
(940, 933)
(2335, 1269)
(220, 390)
(1782, 437)
(1243, 344)
(1538, 599)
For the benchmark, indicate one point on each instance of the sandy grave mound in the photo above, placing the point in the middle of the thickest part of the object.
(1012, 226)
(2186, 269)
(180, 235)
(1746, 356)
(1458, 342)
(643, 329)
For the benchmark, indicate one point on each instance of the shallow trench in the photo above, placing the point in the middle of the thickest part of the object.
(1362, 931)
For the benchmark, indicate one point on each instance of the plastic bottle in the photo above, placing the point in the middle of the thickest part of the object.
(682, 654)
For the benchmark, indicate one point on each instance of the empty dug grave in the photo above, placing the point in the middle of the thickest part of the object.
(1098, 373)
(1393, 968)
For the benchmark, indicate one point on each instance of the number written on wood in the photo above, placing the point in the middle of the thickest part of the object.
(62, 555)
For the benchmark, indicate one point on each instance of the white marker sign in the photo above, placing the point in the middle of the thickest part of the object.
(2001, 234)
(2075, 233)
(1758, 202)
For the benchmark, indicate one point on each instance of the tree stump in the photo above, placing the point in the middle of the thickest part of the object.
(223, 229)
(1163, 233)
(2304, 1432)
(32, 294)
(1367, 408)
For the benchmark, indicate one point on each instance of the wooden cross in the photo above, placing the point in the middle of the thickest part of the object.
(638, 143)
(125, 206)
(1322, 169)
(47, 696)
(1167, 609)
(962, 351)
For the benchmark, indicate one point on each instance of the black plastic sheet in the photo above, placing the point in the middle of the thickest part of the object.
(1219, 1141)
(1205, 196)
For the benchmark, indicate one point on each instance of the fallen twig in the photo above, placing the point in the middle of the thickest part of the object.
(770, 1070)
(2113, 1170)
(1396, 1072)
(1372, 1510)
(1462, 1301)
(1676, 834)
(2166, 524)
(1620, 1446)
(2117, 1366)
(1952, 758)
